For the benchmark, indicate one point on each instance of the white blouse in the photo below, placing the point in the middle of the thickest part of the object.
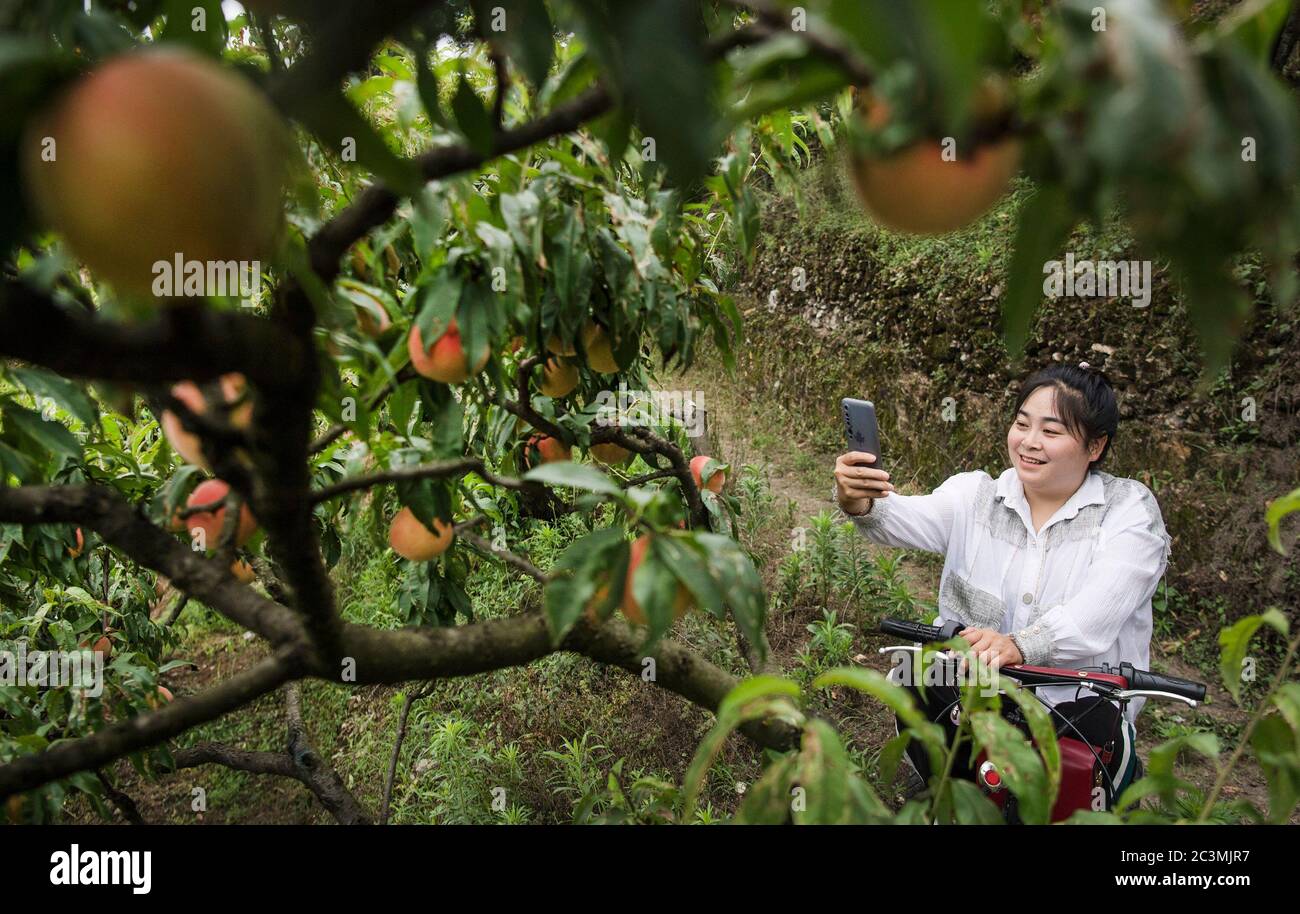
(1076, 593)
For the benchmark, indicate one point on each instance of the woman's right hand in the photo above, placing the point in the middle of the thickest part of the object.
(857, 484)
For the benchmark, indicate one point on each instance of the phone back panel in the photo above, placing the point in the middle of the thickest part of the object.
(860, 428)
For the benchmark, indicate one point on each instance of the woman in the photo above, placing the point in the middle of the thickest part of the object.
(1053, 563)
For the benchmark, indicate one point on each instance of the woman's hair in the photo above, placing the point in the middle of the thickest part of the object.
(1084, 399)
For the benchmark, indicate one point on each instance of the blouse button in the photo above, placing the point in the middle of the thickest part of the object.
(1027, 598)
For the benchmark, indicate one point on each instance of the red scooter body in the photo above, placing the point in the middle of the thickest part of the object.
(1081, 775)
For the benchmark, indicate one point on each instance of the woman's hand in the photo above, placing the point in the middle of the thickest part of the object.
(857, 484)
(993, 648)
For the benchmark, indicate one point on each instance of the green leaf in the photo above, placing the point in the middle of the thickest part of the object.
(692, 570)
(654, 51)
(66, 393)
(567, 595)
(571, 265)
(426, 85)
(1279, 508)
(331, 117)
(473, 118)
(755, 687)
(1044, 225)
(767, 801)
(832, 794)
(1041, 728)
(574, 475)
(437, 303)
(1017, 762)
(181, 21)
(971, 806)
(732, 713)
(739, 581)
(1277, 748)
(1234, 643)
(49, 436)
(1254, 25)
(527, 34)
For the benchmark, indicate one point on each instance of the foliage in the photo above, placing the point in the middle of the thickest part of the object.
(594, 169)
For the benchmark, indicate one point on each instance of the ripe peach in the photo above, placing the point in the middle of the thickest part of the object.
(102, 645)
(610, 454)
(599, 355)
(631, 608)
(445, 360)
(161, 697)
(413, 540)
(716, 481)
(211, 522)
(919, 192)
(560, 346)
(599, 597)
(549, 449)
(233, 389)
(157, 153)
(558, 378)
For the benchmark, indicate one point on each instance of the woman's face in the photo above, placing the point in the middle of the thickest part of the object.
(1048, 459)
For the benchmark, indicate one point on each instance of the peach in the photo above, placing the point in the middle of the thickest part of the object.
(413, 540)
(157, 153)
(445, 360)
(610, 454)
(233, 388)
(549, 449)
(716, 481)
(917, 191)
(599, 355)
(211, 522)
(558, 378)
(631, 608)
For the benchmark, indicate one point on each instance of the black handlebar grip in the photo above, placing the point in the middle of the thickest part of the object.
(919, 631)
(1156, 682)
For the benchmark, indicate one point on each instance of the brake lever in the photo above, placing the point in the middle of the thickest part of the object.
(1151, 693)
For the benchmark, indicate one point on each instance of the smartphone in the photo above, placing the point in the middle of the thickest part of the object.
(860, 428)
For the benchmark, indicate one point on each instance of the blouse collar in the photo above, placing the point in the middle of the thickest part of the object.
(1012, 492)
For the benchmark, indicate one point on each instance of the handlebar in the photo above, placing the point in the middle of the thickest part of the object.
(1146, 681)
(1138, 680)
(919, 631)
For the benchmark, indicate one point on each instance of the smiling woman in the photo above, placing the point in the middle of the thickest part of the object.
(1054, 562)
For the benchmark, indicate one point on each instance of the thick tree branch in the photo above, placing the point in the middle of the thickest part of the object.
(185, 341)
(391, 657)
(146, 730)
(121, 525)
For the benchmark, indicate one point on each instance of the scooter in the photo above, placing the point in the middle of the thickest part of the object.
(1085, 776)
